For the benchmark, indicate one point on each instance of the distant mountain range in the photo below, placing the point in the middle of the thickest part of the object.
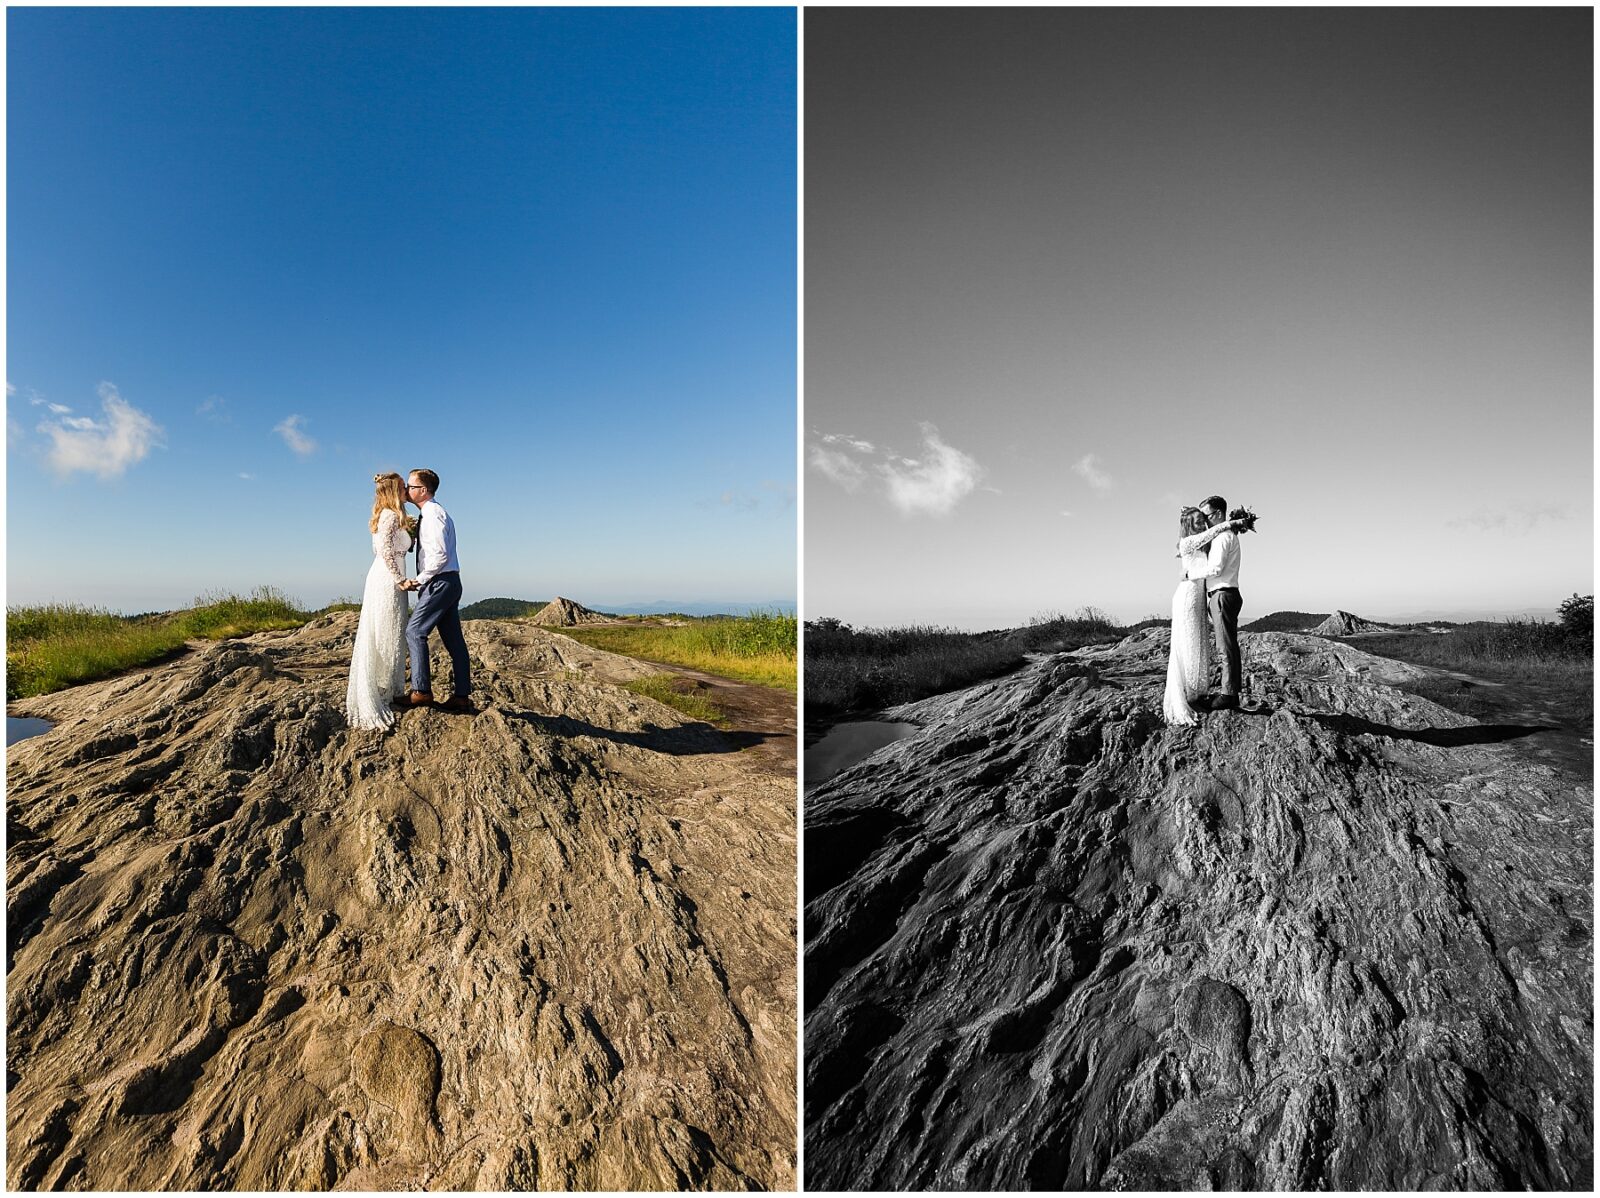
(1303, 621)
(1468, 615)
(691, 608)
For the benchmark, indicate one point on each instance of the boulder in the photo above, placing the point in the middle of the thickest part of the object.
(1342, 623)
(564, 613)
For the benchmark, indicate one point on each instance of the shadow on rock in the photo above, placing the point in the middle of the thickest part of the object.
(686, 740)
(1440, 738)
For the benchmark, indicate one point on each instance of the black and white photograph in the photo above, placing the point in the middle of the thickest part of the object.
(1198, 599)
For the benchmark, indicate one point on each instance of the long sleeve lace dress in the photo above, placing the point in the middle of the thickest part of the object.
(378, 663)
(1189, 660)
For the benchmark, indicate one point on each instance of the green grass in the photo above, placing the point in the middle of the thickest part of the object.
(860, 670)
(61, 645)
(668, 689)
(758, 648)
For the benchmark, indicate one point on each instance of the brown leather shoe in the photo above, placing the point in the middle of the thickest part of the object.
(415, 699)
(458, 703)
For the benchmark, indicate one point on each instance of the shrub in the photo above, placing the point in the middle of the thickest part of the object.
(1577, 616)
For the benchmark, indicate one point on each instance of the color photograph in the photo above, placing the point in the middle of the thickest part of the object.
(402, 598)
(1198, 612)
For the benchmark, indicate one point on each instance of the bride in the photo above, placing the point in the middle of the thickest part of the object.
(1189, 660)
(378, 664)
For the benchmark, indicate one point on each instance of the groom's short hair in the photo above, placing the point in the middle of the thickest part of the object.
(1216, 501)
(428, 479)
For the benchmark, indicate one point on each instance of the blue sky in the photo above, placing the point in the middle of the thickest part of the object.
(257, 255)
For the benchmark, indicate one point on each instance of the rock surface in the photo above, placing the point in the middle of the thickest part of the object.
(549, 945)
(1342, 623)
(1052, 943)
(564, 613)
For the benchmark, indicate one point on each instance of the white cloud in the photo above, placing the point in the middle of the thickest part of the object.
(854, 443)
(59, 409)
(289, 430)
(246, 477)
(1093, 471)
(1067, 514)
(840, 467)
(11, 388)
(942, 478)
(103, 447)
(932, 483)
(214, 408)
(1512, 517)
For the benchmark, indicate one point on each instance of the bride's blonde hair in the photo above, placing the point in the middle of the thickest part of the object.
(388, 495)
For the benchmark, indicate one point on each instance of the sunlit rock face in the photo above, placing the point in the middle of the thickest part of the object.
(1340, 943)
(548, 945)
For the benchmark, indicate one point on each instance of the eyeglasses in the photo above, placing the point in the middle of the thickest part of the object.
(416, 486)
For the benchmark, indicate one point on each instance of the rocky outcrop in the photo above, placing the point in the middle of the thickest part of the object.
(1343, 942)
(550, 945)
(564, 613)
(1342, 623)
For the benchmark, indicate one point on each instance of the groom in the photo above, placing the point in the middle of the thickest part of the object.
(1222, 598)
(438, 587)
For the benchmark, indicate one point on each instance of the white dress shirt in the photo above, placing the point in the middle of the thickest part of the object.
(436, 543)
(1222, 566)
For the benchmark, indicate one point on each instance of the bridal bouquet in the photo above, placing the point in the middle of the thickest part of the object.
(1245, 514)
(411, 523)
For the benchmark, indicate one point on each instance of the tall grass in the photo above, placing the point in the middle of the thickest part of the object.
(760, 647)
(849, 669)
(62, 644)
(1527, 649)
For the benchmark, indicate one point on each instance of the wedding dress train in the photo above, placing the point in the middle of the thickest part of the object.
(378, 663)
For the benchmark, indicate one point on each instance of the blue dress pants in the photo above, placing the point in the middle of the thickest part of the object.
(438, 606)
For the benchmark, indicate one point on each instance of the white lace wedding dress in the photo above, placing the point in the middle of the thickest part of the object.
(378, 664)
(1189, 660)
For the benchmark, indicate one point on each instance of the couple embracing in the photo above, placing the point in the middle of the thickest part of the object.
(386, 630)
(1208, 547)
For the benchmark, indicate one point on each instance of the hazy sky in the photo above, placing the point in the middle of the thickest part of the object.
(1068, 269)
(257, 255)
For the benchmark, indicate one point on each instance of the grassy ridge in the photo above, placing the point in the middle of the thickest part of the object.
(866, 669)
(1529, 650)
(759, 647)
(61, 645)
